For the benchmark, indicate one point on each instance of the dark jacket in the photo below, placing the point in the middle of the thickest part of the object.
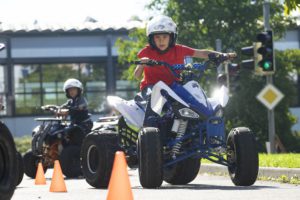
(77, 110)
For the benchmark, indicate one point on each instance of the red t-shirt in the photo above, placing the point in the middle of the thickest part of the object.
(153, 74)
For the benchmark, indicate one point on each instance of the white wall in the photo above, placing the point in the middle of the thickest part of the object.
(290, 40)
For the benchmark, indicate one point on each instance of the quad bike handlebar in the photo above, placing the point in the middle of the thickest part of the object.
(50, 108)
(212, 58)
(57, 110)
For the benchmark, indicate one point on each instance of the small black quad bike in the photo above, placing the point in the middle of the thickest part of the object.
(54, 139)
(183, 126)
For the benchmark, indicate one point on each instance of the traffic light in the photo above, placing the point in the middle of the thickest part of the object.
(255, 57)
(265, 63)
(262, 54)
(250, 63)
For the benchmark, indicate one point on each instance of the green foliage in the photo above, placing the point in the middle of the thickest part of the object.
(244, 110)
(290, 160)
(284, 160)
(128, 49)
(283, 179)
(292, 5)
(23, 144)
(201, 22)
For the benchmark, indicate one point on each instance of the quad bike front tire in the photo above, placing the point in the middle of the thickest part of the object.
(182, 172)
(30, 164)
(150, 159)
(8, 163)
(242, 156)
(70, 161)
(97, 157)
(20, 168)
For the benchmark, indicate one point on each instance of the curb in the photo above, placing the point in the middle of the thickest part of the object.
(263, 171)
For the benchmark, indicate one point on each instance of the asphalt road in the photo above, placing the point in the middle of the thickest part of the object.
(203, 187)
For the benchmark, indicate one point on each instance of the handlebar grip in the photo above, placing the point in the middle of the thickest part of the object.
(149, 63)
(219, 58)
(137, 62)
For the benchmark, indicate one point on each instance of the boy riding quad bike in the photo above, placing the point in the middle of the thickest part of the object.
(170, 132)
(59, 139)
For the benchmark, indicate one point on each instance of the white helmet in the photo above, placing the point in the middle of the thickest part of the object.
(72, 83)
(161, 24)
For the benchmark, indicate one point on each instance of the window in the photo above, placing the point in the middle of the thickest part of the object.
(37, 85)
(27, 88)
(94, 81)
(125, 89)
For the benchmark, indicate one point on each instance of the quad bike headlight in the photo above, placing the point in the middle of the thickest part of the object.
(219, 112)
(186, 112)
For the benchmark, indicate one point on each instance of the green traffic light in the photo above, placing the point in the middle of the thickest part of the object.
(267, 65)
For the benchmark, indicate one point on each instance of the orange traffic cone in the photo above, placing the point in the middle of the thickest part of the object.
(40, 176)
(119, 184)
(57, 182)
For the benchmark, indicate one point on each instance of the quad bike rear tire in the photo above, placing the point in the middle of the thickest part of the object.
(183, 172)
(97, 157)
(8, 163)
(150, 159)
(243, 156)
(30, 164)
(20, 168)
(70, 161)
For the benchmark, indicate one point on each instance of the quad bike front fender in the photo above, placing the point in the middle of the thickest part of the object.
(131, 112)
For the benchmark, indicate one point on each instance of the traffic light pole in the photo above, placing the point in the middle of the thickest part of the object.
(269, 78)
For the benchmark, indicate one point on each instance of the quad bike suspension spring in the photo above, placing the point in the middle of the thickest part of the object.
(179, 127)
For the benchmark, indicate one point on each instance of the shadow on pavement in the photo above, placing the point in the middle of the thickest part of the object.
(209, 187)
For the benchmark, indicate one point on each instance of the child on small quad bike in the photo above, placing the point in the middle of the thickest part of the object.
(78, 112)
(162, 35)
(58, 138)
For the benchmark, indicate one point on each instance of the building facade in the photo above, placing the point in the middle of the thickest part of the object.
(37, 60)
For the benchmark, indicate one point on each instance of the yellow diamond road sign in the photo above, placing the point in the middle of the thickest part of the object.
(270, 96)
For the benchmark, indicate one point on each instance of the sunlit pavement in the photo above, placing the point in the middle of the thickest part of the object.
(204, 187)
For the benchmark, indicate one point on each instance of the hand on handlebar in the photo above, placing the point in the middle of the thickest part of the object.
(146, 61)
(61, 112)
(51, 108)
(221, 57)
(231, 55)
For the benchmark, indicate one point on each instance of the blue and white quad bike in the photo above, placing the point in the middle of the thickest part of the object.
(181, 126)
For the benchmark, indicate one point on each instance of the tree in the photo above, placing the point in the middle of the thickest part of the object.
(200, 23)
(244, 109)
(291, 5)
(128, 49)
